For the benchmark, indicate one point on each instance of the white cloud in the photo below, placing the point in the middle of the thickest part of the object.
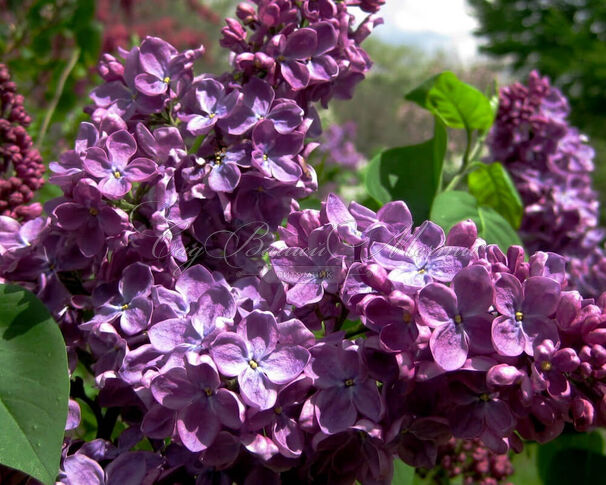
(450, 19)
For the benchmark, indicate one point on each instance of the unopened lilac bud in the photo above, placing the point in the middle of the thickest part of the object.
(597, 336)
(233, 35)
(503, 375)
(463, 234)
(582, 414)
(110, 69)
(246, 13)
(566, 360)
(375, 276)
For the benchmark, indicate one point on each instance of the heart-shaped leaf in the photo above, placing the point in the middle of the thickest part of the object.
(34, 385)
(411, 173)
(458, 104)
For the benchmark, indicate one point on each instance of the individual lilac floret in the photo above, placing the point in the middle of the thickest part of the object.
(549, 369)
(282, 418)
(525, 314)
(116, 172)
(209, 103)
(302, 55)
(460, 317)
(258, 104)
(121, 97)
(476, 412)
(14, 235)
(161, 64)
(90, 218)
(314, 270)
(194, 391)
(344, 388)
(132, 303)
(273, 153)
(255, 357)
(198, 309)
(218, 168)
(418, 260)
(393, 317)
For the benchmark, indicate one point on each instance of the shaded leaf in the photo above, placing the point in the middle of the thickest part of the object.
(411, 173)
(34, 385)
(403, 474)
(455, 206)
(492, 186)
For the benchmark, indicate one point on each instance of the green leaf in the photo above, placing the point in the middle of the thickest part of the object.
(458, 104)
(47, 192)
(575, 466)
(34, 385)
(492, 186)
(550, 452)
(411, 173)
(525, 470)
(455, 206)
(403, 474)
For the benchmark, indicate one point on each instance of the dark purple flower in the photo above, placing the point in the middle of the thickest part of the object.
(200, 308)
(132, 303)
(161, 64)
(90, 218)
(525, 319)
(303, 56)
(285, 430)
(258, 104)
(202, 405)
(550, 368)
(14, 235)
(118, 172)
(476, 412)
(314, 270)
(344, 388)
(460, 318)
(208, 103)
(255, 357)
(273, 153)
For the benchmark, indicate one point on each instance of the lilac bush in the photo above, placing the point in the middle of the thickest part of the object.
(233, 348)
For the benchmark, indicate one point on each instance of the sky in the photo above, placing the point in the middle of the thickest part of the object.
(430, 24)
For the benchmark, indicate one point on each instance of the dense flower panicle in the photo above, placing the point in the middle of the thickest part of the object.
(21, 167)
(551, 165)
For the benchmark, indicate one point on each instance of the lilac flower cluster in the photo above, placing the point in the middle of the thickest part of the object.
(338, 148)
(460, 339)
(152, 260)
(551, 165)
(21, 166)
(476, 464)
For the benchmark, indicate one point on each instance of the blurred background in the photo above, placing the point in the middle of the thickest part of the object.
(52, 46)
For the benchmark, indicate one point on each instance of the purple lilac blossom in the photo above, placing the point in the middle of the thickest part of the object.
(551, 164)
(21, 166)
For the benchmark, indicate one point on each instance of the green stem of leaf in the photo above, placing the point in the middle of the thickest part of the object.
(71, 63)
